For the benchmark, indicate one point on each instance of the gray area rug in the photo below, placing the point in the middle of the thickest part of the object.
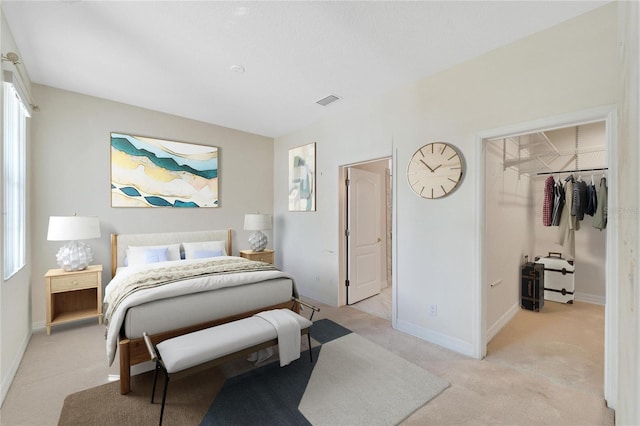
(357, 382)
(351, 381)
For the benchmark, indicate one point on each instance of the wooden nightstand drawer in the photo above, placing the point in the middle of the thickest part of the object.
(261, 256)
(73, 282)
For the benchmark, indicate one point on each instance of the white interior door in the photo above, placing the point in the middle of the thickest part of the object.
(363, 235)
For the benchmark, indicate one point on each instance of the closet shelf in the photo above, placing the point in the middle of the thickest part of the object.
(536, 153)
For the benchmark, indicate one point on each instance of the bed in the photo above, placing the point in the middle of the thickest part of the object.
(164, 294)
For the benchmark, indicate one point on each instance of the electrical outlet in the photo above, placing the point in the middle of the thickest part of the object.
(433, 310)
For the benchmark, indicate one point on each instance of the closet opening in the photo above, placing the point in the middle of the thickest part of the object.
(567, 339)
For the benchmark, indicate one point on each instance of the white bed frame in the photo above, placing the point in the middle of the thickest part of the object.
(134, 351)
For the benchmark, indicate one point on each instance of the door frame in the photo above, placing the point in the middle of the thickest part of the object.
(608, 114)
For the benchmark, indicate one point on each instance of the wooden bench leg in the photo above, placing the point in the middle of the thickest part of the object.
(125, 372)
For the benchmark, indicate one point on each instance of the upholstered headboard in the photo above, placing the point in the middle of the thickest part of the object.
(120, 242)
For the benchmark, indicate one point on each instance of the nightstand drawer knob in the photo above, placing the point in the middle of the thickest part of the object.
(74, 282)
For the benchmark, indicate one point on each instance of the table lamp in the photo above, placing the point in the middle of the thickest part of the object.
(75, 255)
(258, 223)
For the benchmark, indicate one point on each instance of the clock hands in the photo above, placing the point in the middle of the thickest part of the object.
(426, 165)
(430, 169)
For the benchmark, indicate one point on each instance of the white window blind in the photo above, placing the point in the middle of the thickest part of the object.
(14, 152)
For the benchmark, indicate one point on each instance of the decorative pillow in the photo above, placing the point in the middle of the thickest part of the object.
(141, 255)
(191, 248)
(156, 255)
(203, 254)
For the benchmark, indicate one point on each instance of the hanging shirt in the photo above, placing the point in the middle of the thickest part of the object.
(547, 203)
(592, 200)
(568, 223)
(579, 202)
(558, 203)
(600, 216)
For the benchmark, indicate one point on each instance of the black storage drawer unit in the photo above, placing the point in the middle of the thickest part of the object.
(532, 286)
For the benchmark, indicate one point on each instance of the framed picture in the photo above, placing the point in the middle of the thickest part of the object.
(302, 178)
(148, 172)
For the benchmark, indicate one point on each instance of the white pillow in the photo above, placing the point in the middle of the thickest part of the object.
(193, 250)
(142, 255)
(204, 254)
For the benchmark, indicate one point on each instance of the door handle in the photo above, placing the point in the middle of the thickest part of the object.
(379, 240)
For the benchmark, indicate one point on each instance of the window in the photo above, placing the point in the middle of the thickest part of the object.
(15, 118)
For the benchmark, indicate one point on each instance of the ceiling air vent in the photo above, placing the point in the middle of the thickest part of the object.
(327, 100)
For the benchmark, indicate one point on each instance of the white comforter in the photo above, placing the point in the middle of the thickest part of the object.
(172, 289)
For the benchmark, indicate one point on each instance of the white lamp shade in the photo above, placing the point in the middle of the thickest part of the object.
(71, 228)
(257, 222)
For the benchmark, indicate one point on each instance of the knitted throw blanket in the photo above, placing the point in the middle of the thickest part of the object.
(155, 277)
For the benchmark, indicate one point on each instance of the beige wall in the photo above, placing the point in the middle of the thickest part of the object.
(70, 171)
(508, 233)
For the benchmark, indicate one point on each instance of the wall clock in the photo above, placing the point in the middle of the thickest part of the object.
(435, 170)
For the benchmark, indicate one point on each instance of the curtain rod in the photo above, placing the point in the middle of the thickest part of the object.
(573, 171)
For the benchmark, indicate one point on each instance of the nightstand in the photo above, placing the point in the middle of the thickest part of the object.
(262, 256)
(72, 296)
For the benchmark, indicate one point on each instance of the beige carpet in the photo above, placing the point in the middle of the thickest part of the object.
(499, 390)
(562, 343)
(378, 305)
(190, 398)
(543, 368)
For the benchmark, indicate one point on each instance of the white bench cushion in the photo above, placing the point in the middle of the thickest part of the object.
(192, 349)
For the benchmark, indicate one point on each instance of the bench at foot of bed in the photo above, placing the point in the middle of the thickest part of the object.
(215, 345)
(134, 351)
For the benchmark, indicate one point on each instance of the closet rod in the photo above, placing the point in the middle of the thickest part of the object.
(572, 171)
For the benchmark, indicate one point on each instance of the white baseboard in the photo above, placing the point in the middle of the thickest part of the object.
(591, 298)
(502, 321)
(13, 370)
(317, 298)
(437, 338)
(37, 326)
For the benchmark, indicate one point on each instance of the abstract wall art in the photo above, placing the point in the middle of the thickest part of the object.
(148, 172)
(302, 178)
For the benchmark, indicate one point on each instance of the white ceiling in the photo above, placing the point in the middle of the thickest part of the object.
(175, 56)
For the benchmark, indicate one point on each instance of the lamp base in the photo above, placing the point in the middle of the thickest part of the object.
(258, 241)
(74, 256)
